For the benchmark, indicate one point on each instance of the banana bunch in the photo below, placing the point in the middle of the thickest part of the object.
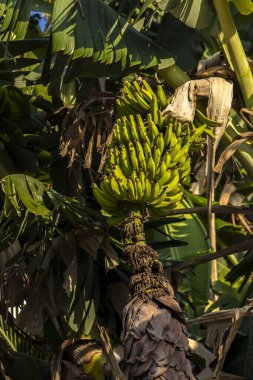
(140, 99)
(145, 168)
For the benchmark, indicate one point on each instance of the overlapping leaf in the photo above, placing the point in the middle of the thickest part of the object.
(88, 37)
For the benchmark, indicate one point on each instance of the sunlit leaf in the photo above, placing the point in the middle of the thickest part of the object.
(245, 7)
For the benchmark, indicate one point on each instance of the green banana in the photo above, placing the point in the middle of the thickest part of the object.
(173, 183)
(153, 130)
(173, 141)
(182, 152)
(148, 88)
(140, 155)
(147, 150)
(176, 190)
(131, 190)
(105, 187)
(164, 180)
(116, 134)
(160, 119)
(142, 177)
(154, 109)
(142, 129)
(103, 200)
(159, 141)
(133, 128)
(161, 170)
(147, 95)
(119, 107)
(125, 162)
(123, 132)
(168, 135)
(133, 156)
(147, 191)
(175, 151)
(161, 96)
(156, 156)
(163, 204)
(118, 174)
(115, 188)
(167, 159)
(151, 168)
(178, 130)
(155, 192)
(159, 199)
(139, 189)
(136, 86)
(175, 198)
(126, 107)
(142, 102)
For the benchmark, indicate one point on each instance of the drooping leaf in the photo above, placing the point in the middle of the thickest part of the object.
(170, 35)
(85, 295)
(14, 105)
(19, 341)
(26, 191)
(194, 13)
(245, 7)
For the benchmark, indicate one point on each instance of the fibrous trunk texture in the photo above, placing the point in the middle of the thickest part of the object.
(154, 336)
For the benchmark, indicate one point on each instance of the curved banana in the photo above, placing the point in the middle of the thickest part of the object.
(161, 96)
(133, 156)
(104, 200)
(142, 129)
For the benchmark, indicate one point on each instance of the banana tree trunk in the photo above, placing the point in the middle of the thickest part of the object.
(154, 335)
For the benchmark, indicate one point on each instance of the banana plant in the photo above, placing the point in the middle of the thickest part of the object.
(148, 163)
(27, 61)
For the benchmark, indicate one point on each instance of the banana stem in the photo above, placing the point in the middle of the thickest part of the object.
(174, 76)
(235, 49)
(133, 229)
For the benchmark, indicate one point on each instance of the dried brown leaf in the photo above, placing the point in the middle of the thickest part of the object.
(219, 92)
(226, 193)
(227, 153)
(116, 371)
(155, 342)
(31, 317)
(237, 199)
(210, 62)
(245, 119)
(222, 326)
(86, 128)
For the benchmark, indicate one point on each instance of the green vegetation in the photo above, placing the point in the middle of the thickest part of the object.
(117, 184)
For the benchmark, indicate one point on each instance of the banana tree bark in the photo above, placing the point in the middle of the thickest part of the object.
(154, 335)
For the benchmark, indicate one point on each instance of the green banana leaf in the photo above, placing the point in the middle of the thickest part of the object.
(17, 340)
(85, 298)
(194, 13)
(88, 37)
(14, 106)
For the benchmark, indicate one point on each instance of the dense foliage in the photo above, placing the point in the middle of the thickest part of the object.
(76, 80)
